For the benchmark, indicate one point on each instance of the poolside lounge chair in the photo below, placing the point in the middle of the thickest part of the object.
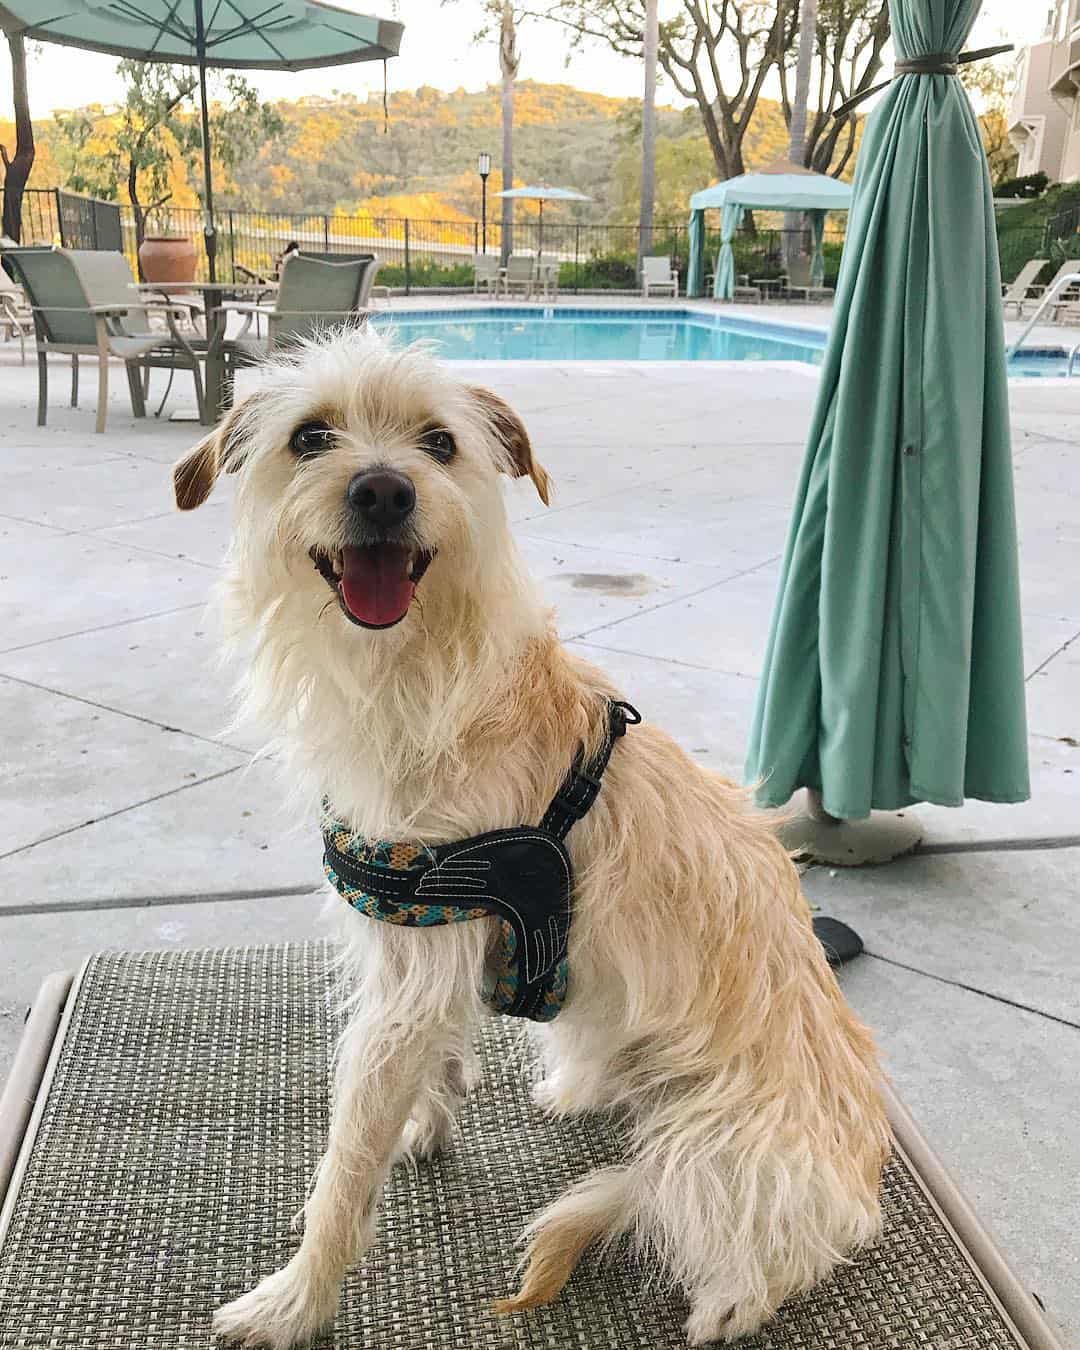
(520, 271)
(1016, 292)
(486, 273)
(657, 274)
(797, 283)
(84, 304)
(16, 316)
(313, 295)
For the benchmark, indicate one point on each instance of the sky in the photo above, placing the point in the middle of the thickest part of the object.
(438, 49)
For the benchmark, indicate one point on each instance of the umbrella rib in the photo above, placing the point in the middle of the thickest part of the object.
(247, 24)
(169, 24)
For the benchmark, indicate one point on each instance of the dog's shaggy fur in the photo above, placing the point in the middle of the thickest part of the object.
(700, 1001)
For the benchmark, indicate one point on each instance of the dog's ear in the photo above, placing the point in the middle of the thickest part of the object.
(222, 450)
(510, 430)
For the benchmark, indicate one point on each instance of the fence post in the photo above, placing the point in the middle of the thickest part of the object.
(326, 233)
(408, 270)
(59, 219)
(577, 250)
(475, 238)
(232, 243)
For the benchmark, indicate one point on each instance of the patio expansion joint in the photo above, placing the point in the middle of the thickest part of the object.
(1055, 653)
(973, 989)
(122, 810)
(664, 479)
(31, 907)
(102, 627)
(663, 660)
(674, 600)
(121, 712)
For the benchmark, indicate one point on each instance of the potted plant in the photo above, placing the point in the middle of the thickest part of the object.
(164, 256)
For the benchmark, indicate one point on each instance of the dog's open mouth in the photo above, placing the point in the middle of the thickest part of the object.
(375, 583)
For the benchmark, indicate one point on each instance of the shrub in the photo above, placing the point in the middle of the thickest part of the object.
(1032, 185)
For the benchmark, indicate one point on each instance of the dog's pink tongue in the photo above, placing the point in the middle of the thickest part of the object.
(376, 585)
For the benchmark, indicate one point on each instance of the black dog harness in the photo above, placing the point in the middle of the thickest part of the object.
(521, 876)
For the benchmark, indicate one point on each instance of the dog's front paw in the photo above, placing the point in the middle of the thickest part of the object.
(712, 1323)
(424, 1138)
(555, 1097)
(285, 1310)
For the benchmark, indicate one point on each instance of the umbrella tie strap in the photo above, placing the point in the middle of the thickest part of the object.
(934, 63)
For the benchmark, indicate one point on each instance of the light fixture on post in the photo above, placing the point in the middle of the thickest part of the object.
(483, 166)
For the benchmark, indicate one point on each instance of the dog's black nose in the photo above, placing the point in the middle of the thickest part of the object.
(381, 497)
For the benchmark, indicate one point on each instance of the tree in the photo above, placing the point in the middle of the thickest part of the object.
(720, 54)
(17, 166)
(509, 60)
(797, 122)
(991, 83)
(651, 42)
(851, 35)
(717, 53)
(152, 143)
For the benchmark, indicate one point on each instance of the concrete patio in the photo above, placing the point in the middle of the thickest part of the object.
(133, 819)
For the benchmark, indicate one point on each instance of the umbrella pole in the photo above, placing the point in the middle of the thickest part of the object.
(209, 234)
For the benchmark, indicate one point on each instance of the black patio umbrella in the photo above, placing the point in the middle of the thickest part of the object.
(226, 34)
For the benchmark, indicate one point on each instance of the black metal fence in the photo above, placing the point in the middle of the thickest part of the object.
(53, 216)
(424, 255)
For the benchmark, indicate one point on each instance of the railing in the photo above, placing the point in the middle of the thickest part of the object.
(54, 216)
(414, 255)
(1052, 297)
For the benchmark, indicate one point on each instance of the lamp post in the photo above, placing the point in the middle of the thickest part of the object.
(483, 166)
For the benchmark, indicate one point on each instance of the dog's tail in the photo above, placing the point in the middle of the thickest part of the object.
(598, 1206)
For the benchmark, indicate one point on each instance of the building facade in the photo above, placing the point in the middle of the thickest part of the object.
(1044, 118)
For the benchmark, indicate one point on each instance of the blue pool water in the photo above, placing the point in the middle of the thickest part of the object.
(564, 333)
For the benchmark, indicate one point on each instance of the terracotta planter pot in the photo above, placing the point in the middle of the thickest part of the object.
(167, 258)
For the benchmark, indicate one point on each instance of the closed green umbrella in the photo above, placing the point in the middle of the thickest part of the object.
(894, 672)
(232, 34)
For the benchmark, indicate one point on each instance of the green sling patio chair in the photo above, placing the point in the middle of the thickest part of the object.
(314, 295)
(84, 304)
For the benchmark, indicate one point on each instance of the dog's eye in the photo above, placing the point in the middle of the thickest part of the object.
(439, 444)
(311, 438)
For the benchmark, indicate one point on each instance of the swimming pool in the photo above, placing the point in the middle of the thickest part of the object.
(564, 333)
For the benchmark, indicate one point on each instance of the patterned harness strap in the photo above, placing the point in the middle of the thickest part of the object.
(522, 876)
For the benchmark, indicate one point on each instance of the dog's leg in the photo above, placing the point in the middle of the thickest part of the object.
(383, 1058)
(440, 1099)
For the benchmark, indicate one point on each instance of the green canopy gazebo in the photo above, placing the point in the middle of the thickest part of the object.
(780, 187)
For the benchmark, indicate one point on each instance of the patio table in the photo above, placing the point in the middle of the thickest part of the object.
(771, 287)
(213, 295)
(178, 1103)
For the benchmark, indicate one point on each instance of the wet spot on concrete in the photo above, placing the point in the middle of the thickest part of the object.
(612, 583)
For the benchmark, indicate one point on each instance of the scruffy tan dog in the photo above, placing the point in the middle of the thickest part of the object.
(414, 679)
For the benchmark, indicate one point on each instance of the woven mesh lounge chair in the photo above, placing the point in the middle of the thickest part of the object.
(167, 1110)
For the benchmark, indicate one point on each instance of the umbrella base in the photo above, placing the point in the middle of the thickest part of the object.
(879, 838)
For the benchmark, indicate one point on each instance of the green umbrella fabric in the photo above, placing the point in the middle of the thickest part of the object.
(894, 669)
(724, 281)
(233, 34)
(817, 261)
(237, 34)
(695, 267)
